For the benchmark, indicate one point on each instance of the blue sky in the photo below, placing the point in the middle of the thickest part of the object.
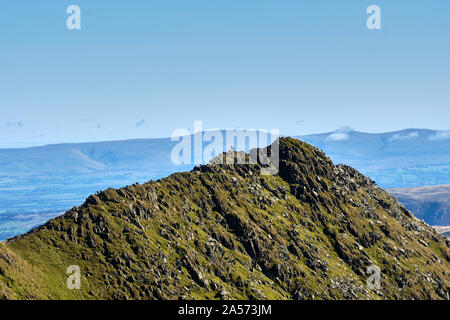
(141, 69)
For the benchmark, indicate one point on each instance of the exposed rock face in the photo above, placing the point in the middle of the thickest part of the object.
(227, 232)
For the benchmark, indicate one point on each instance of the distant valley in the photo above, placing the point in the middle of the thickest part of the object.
(431, 204)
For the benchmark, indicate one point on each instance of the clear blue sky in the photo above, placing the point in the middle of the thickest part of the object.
(141, 69)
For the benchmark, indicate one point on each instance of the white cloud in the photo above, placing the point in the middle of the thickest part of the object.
(408, 136)
(340, 134)
(441, 135)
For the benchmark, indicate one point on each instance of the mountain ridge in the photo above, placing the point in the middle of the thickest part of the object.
(226, 232)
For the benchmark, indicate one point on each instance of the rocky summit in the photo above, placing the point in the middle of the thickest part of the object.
(224, 231)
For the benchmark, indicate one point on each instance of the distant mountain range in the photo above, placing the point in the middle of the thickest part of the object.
(401, 159)
(39, 182)
(53, 178)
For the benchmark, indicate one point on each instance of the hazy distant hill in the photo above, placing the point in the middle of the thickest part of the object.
(429, 203)
(407, 158)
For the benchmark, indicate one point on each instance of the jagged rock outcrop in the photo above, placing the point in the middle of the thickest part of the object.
(223, 231)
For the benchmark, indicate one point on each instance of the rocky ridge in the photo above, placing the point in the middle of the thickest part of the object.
(223, 231)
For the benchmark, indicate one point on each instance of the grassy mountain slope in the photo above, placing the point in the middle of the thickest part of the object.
(225, 231)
